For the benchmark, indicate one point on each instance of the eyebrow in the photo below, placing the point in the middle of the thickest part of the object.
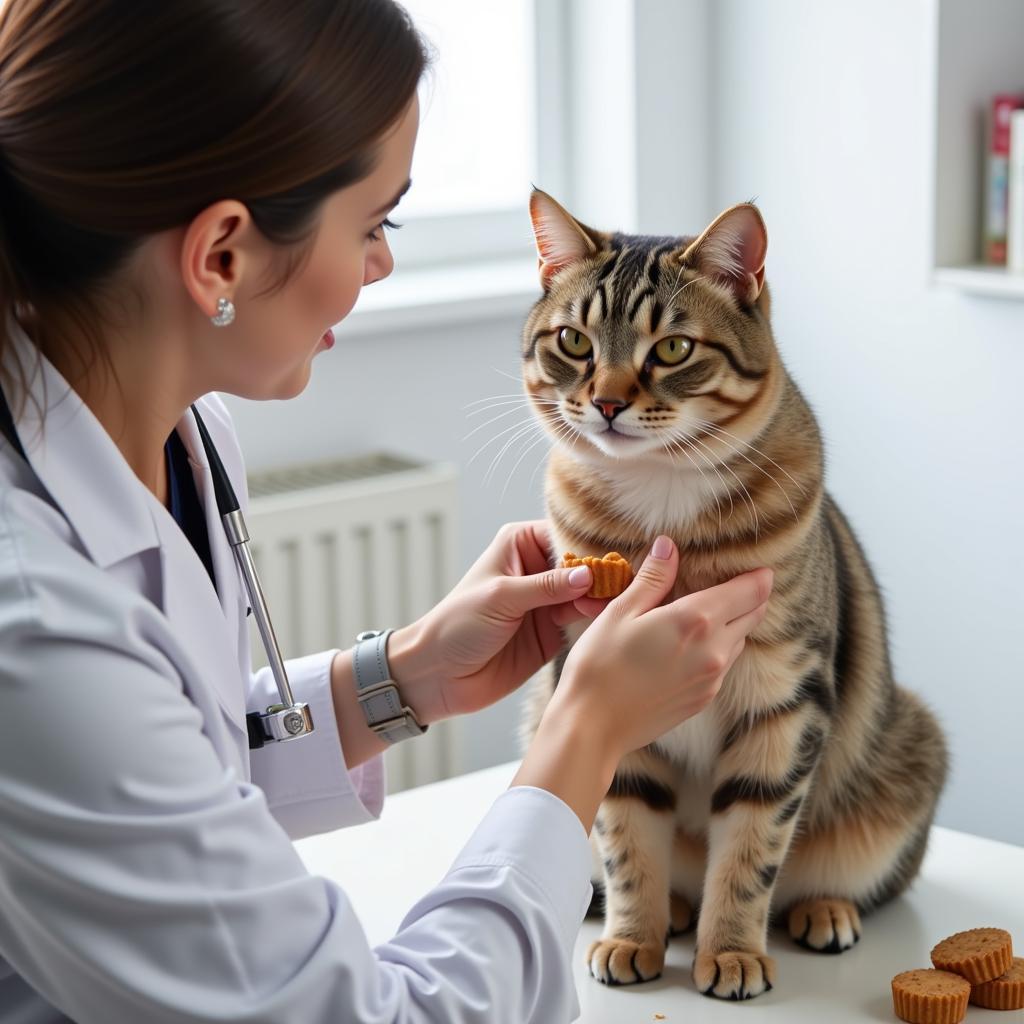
(394, 202)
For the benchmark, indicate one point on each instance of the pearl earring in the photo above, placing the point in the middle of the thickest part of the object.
(225, 313)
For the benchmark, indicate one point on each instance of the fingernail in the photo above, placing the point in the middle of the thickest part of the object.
(580, 576)
(662, 547)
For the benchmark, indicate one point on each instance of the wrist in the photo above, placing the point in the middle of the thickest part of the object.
(570, 758)
(415, 674)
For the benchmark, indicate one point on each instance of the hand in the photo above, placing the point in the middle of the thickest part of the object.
(500, 624)
(643, 667)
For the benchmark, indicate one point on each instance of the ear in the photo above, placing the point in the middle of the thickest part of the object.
(561, 239)
(214, 252)
(732, 251)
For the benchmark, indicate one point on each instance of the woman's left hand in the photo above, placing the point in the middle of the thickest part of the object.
(498, 626)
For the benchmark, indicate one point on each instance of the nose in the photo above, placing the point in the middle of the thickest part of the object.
(379, 265)
(610, 407)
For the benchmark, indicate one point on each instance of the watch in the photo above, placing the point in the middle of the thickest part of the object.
(377, 692)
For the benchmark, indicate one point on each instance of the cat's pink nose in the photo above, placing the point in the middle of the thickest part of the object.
(610, 407)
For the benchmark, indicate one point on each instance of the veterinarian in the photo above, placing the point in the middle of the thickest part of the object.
(191, 194)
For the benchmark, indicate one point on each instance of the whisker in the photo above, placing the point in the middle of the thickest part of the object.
(511, 376)
(533, 444)
(512, 401)
(501, 433)
(713, 465)
(523, 432)
(707, 424)
(743, 487)
(563, 431)
(511, 394)
(486, 423)
(711, 427)
(675, 442)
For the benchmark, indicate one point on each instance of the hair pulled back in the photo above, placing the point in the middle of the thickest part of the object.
(123, 118)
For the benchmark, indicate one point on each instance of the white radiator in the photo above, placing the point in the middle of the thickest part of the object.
(354, 544)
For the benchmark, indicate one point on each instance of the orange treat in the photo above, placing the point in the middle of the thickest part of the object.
(930, 997)
(1003, 993)
(979, 955)
(612, 574)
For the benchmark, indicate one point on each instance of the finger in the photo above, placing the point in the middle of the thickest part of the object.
(653, 580)
(740, 628)
(591, 607)
(521, 594)
(734, 598)
(566, 614)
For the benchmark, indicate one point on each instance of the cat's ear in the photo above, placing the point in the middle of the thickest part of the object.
(561, 239)
(732, 250)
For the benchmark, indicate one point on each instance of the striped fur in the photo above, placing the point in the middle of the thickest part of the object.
(808, 787)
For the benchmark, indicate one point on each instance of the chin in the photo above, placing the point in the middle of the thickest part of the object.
(604, 448)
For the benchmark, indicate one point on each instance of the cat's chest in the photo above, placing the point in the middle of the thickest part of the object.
(663, 501)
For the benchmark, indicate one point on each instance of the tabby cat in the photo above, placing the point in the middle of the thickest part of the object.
(807, 788)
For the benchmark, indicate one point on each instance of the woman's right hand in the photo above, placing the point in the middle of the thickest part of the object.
(642, 667)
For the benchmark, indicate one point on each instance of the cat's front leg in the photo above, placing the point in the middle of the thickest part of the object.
(761, 778)
(634, 831)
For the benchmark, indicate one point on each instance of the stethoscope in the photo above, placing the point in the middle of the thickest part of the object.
(286, 720)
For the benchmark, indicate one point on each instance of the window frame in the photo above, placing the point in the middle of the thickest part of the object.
(502, 234)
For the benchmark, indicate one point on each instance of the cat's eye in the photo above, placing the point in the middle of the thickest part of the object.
(672, 351)
(574, 344)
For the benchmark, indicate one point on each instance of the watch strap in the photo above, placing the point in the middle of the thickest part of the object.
(377, 692)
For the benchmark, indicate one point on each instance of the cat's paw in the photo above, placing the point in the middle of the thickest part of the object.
(681, 915)
(826, 926)
(623, 962)
(733, 975)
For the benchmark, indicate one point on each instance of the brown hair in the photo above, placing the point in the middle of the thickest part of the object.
(120, 119)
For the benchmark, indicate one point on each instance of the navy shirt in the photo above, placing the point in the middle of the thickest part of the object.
(185, 505)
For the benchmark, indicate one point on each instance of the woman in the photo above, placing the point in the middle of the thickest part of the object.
(192, 194)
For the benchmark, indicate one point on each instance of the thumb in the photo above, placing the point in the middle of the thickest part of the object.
(555, 586)
(654, 579)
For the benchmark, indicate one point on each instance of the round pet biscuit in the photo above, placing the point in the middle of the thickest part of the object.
(979, 954)
(611, 574)
(930, 997)
(1003, 993)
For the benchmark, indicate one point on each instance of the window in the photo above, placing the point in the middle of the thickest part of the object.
(487, 108)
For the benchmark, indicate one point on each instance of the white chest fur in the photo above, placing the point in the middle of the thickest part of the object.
(660, 496)
(694, 743)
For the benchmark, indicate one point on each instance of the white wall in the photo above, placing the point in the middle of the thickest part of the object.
(820, 112)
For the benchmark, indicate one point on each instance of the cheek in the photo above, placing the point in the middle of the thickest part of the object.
(331, 286)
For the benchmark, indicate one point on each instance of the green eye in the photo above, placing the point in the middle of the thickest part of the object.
(574, 344)
(672, 351)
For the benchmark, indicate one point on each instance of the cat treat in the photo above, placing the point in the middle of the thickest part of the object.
(1003, 993)
(930, 997)
(612, 574)
(979, 955)
(975, 965)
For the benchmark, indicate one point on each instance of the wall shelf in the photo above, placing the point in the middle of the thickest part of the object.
(979, 279)
(977, 52)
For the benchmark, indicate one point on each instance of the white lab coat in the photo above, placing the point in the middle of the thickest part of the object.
(146, 868)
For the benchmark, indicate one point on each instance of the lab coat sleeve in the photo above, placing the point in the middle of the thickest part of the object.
(141, 879)
(307, 784)
(514, 901)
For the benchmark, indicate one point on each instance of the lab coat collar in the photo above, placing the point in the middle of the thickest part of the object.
(116, 517)
(77, 461)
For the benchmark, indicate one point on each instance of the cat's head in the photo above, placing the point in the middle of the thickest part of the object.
(647, 346)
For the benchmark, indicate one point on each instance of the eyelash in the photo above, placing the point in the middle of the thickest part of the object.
(374, 235)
